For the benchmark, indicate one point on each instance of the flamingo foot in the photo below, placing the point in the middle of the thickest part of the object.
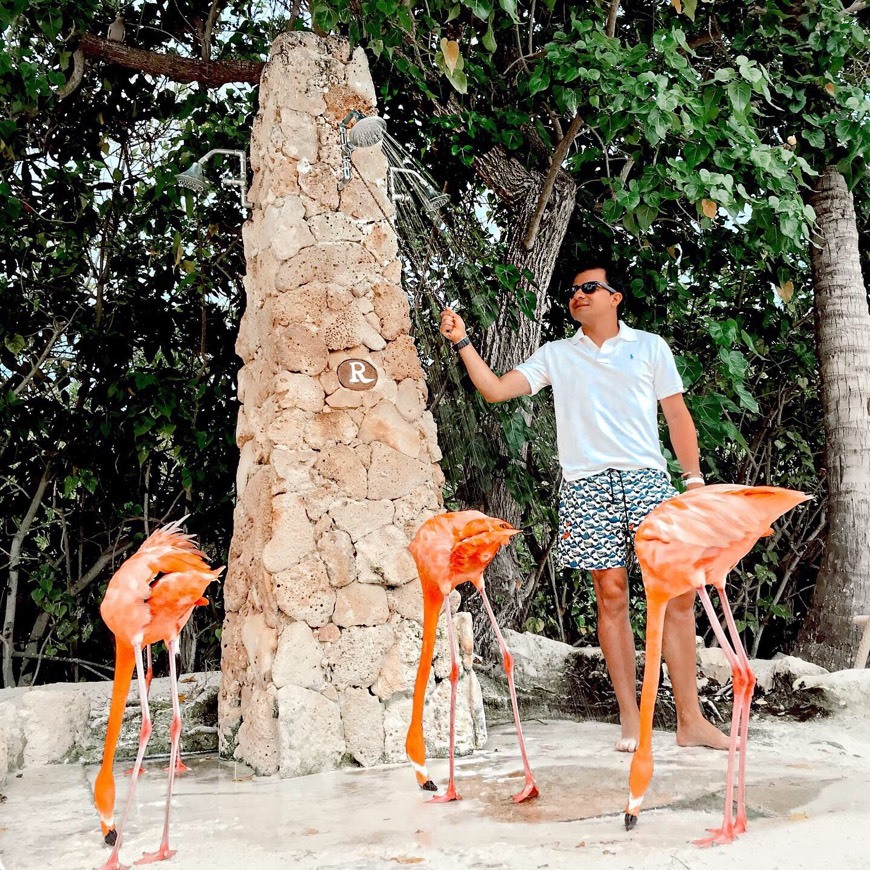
(162, 854)
(450, 795)
(740, 826)
(129, 771)
(180, 767)
(529, 792)
(721, 836)
(114, 864)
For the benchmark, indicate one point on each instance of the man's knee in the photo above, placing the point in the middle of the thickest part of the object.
(611, 590)
(683, 606)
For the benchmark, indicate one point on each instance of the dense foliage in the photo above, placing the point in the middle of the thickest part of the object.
(701, 127)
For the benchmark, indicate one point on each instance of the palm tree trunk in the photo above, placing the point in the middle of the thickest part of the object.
(829, 636)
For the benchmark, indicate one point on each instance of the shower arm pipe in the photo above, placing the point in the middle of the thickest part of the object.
(352, 115)
(396, 169)
(241, 181)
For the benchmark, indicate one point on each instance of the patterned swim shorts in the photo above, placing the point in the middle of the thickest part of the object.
(599, 515)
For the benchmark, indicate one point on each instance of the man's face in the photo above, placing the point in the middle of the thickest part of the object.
(585, 308)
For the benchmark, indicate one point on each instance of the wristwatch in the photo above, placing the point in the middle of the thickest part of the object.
(462, 343)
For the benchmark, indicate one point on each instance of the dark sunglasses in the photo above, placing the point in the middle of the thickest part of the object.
(589, 287)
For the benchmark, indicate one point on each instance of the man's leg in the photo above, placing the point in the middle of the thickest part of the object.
(617, 644)
(678, 647)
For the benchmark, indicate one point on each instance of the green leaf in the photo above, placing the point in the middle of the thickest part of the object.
(816, 138)
(459, 81)
(15, 343)
(695, 152)
(739, 94)
(488, 39)
(612, 210)
(482, 9)
(747, 400)
(510, 6)
(516, 432)
(645, 215)
(689, 8)
(539, 80)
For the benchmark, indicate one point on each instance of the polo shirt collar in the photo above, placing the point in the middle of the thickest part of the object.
(626, 333)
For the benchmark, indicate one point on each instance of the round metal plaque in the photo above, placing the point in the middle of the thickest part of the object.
(357, 374)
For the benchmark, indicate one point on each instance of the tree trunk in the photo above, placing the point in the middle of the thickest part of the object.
(829, 636)
(8, 635)
(504, 347)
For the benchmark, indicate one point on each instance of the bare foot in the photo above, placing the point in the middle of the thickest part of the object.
(630, 733)
(701, 733)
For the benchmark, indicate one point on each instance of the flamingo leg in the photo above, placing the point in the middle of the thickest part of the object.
(149, 676)
(642, 765)
(748, 687)
(178, 766)
(149, 670)
(451, 793)
(144, 734)
(531, 789)
(164, 851)
(727, 832)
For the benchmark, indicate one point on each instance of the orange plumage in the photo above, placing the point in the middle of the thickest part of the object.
(689, 542)
(450, 549)
(149, 598)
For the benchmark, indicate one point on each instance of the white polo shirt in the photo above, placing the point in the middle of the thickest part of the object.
(606, 398)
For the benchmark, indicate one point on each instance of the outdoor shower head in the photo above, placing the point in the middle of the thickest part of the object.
(437, 202)
(366, 132)
(194, 178)
(430, 199)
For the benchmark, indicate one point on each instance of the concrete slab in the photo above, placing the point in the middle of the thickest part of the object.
(807, 796)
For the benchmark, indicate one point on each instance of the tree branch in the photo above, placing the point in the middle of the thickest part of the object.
(76, 78)
(35, 368)
(207, 30)
(547, 188)
(172, 66)
(855, 8)
(610, 27)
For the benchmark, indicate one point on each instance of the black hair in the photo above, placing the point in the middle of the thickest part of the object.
(611, 271)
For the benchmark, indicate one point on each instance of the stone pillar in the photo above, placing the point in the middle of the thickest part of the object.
(323, 605)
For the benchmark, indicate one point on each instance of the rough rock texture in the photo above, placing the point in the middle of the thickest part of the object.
(4, 759)
(322, 633)
(556, 681)
(66, 722)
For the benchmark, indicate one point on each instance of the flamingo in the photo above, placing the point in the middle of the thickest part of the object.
(149, 598)
(450, 549)
(687, 542)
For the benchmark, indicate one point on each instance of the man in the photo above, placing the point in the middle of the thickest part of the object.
(608, 381)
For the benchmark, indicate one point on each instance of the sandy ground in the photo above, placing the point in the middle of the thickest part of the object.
(808, 790)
